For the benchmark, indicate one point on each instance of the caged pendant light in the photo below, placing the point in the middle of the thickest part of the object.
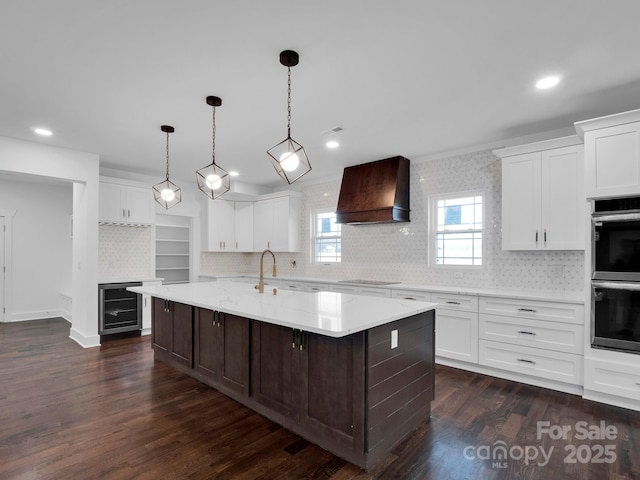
(213, 180)
(288, 157)
(166, 192)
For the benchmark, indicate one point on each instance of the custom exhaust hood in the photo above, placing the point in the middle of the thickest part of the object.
(375, 192)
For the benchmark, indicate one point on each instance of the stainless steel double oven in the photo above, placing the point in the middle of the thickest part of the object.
(615, 284)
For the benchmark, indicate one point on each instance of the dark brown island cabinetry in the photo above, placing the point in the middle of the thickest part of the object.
(355, 395)
(172, 331)
(221, 349)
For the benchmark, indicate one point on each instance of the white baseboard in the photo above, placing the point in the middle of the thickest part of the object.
(83, 340)
(26, 316)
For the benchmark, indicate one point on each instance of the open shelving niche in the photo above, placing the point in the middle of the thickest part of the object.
(173, 248)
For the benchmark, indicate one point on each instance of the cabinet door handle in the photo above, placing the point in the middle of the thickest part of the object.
(529, 310)
(545, 237)
(449, 302)
(301, 341)
(524, 332)
(638, 384)
(236, 245)
(268, 244)
(124, 214)
(293, 338)
(524, 360)
(128, 213)
(536, 237)
(408, 298)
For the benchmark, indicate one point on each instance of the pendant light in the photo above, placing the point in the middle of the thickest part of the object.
(166, 192)
(213, 180)
(288, 157)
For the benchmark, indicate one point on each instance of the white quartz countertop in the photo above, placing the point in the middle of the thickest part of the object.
(106, 280)
(327, 313)
(521, 294)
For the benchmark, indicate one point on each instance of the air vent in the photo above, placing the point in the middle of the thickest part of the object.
(332, 131)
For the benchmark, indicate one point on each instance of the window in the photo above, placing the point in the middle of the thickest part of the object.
(325, 235)
(457, 223)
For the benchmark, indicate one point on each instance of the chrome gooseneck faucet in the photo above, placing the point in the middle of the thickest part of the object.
(260, 285)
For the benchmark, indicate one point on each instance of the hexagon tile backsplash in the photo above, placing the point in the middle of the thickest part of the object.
(399, 252)
(124, 252)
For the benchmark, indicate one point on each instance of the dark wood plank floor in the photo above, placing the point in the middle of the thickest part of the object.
(114, 413)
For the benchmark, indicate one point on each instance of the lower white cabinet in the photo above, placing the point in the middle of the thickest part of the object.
(418, 295)
(358, 290)
(147, 308)
(549, 364)
(613, 378)
(456, 326)
(536, 338)
(457, 335)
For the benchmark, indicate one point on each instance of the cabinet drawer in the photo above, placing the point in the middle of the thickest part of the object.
(455, 301)
(315, 287)
(374, 292)
(411, 295)
(343, 289)
(286, 285)
(563, 367)
(612, 378)
(550, 311)
(557, 336)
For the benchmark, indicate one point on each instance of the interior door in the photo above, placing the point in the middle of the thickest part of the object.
(2, 268)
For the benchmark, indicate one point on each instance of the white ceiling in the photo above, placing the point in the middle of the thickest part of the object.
(412, 78)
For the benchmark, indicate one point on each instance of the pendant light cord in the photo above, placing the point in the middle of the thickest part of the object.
(213, 138)
(167, 156)
(289, 102)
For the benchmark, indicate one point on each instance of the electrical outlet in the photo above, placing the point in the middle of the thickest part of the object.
(394, 339)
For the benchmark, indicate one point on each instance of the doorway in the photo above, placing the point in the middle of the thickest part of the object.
(2, 268)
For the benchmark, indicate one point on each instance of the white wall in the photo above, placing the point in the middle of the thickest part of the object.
(41, 246)
(81, 168)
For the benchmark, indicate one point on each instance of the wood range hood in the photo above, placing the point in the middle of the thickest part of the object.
(375, 192)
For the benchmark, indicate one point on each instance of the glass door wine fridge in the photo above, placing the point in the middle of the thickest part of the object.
(119, 309)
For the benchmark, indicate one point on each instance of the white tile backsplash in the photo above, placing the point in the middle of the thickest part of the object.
(124, 252)
(399, 252)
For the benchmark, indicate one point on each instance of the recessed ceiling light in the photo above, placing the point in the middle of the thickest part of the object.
(548, 82)
(332, 144)
(43, 131)
(233, 173)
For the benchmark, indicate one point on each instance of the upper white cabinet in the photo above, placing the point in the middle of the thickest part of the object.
(244, 226)
(229, 226)
(612, 154)
(543, 201)
(220, 226)
(123, 204)
(276, 223)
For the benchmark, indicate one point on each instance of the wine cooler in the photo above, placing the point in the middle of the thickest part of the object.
(119, 309)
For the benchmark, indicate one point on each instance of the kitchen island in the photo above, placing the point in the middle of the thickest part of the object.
(353, 374)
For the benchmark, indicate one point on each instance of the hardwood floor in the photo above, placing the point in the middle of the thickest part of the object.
(114, 413)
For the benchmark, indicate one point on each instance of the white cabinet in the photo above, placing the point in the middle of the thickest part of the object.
(276, 223)
(543, 202)
(220, 226)
(456, 326)
(243, 226)
(360, 290)
(125, 204)
(229, 226)
(418, 295)
(535, 338)
(621, 379)
(612, 155)
(146, 308)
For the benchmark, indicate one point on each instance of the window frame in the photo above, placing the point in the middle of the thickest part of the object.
(314, 237)
(433, 227)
